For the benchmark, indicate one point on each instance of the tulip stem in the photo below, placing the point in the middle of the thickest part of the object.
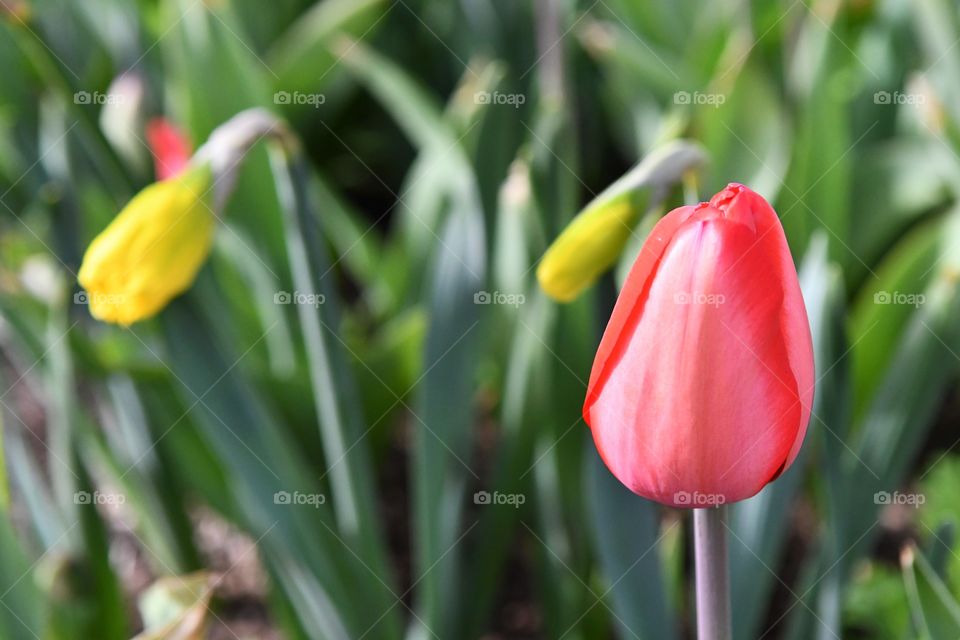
(713, 578)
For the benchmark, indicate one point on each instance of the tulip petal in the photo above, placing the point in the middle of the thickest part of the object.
(793, 316)
(634, 292)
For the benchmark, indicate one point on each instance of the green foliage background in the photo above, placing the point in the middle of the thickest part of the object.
(447, 143)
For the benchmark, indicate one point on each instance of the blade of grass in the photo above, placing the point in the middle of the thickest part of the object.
(259, 462)
(444, 417)
(348, 461)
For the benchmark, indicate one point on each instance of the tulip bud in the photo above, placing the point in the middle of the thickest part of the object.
(594, 239)
(702, 386)
(169, 146)
(152, 250)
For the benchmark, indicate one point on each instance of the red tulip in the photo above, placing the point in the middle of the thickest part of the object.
(702, 386)
(170, 148)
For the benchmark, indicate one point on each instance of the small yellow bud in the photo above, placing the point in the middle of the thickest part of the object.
(596, 237)
(152, 250)
(587, 247)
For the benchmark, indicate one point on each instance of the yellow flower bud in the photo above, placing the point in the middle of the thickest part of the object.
(586, 248)
(152, 250)
(596, 237)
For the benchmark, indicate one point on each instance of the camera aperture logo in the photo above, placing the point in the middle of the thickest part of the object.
(698, 499)
(298, 498)
(498, 297)
(497, 498)
(309, 299)
(914, 500)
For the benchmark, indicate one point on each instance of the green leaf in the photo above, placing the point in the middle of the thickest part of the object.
(894, 184)
(882, 309)
(259, 462)
(335, 399)
(443, 415)
(302, 59)
(525, 406)
(940, 607)
(625, 533)
(747, 137)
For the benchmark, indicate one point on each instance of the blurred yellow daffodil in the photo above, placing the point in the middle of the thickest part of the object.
(597, 236)
(586, 248)
(152, 250)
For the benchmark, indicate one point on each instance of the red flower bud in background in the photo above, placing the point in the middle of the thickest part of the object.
(702, 386)
(170, 148)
